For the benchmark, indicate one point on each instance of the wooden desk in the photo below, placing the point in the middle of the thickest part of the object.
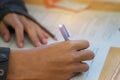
(104, 6)
(38, 2)
(94, 5)
(111, 69)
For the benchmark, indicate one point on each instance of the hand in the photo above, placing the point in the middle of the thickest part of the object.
(20, 24)
(53, 62)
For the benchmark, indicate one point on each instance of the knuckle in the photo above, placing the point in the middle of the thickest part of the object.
(72, 59)
(19, 27)
(69, 44)
(74, 44)
(29, 28)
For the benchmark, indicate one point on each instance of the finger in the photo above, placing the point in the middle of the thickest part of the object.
(30, 30)
(5, 32)
(81, 67)
(13, 20)
(20, 35)
(42, 36)
(1, 29)
(83, 55)
(45, 34)
(34, 38)
(80, 44)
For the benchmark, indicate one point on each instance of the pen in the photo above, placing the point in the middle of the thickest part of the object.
(64, 31)
(49, 33)
(66, 36)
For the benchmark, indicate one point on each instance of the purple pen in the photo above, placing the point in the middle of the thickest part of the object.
(64, 31)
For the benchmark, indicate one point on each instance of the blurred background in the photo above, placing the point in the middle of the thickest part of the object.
(105, 5)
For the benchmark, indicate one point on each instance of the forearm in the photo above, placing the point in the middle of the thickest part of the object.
(17, 60)
(21, 63)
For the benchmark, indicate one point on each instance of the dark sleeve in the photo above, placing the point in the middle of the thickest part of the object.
(12, 6)
(4, 60)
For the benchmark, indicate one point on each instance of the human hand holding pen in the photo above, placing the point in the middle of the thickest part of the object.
(58, 61)
(66, 36)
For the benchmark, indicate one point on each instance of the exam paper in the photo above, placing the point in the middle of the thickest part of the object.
(101, 29)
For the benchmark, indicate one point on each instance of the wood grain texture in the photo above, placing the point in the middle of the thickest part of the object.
(111, 69)
(102, 5)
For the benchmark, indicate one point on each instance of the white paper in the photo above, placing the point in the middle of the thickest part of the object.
(102, 29)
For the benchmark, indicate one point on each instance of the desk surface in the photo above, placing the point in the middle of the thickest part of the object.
(111, 69)
(100, 28)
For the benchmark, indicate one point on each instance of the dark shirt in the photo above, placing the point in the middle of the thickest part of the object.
(12, 6)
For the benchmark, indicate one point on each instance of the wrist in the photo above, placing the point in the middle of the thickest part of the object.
(16, 60)
(20, 64)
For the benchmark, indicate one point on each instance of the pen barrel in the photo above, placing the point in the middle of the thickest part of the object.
(64, 32)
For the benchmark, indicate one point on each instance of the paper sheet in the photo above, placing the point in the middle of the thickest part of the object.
(96, 65)
(100, 28)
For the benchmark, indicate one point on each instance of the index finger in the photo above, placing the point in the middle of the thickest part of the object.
(80, 44)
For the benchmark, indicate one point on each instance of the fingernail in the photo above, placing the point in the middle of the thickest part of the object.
(6, 38)
(21, 45)
(38, 44)
(44, 41)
